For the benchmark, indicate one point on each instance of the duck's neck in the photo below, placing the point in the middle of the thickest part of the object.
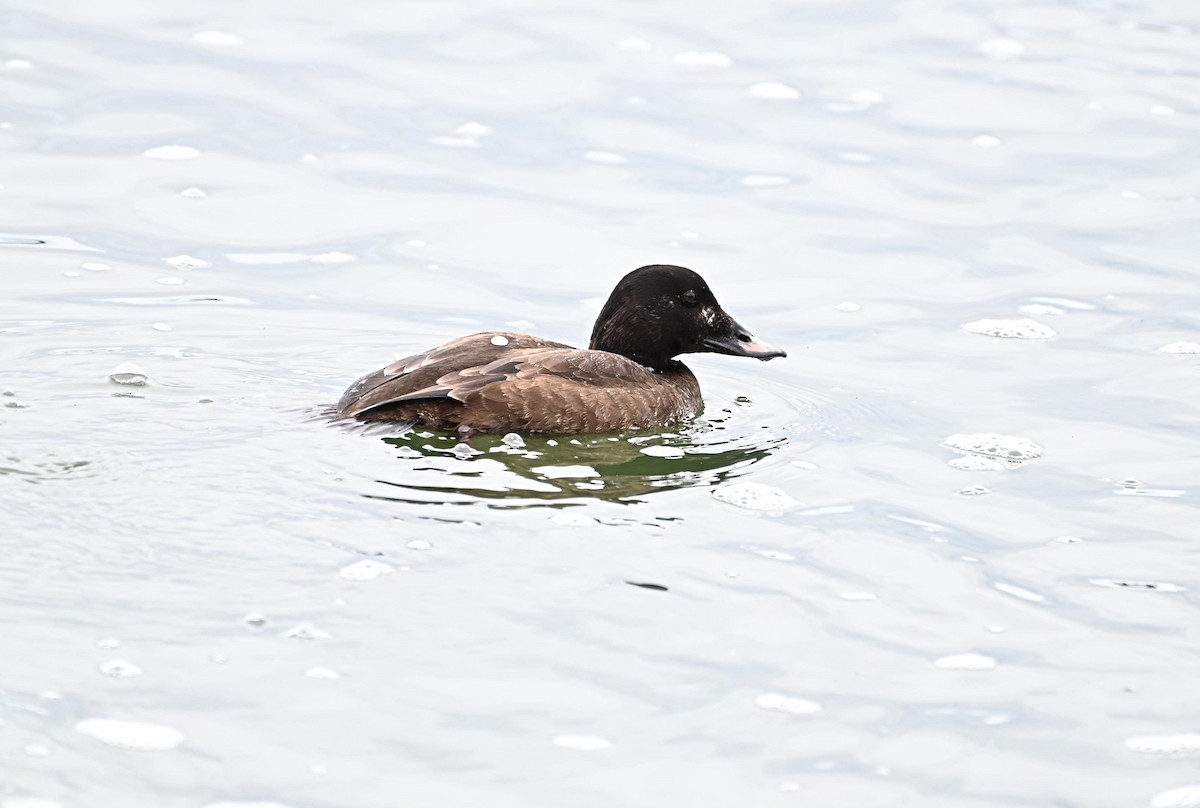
(611, 335)
(656, 362)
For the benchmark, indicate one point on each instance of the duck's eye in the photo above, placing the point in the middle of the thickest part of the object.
(689, 296)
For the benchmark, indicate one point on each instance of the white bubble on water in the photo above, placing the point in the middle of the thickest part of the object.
(419, 544)
(129, 373)
(848, 306)
(193, 192)
(582, 743)
(673, 452)
(186, 262)
(774, 90)
(755, 497)
(974, 491)
(120, 669)
(306, 632)
(172, 151)
(465, 451)
(779, 703)
(776, 555)
(1011, 329)
(1167, 745)
(366, 570)
(160, 327)
(473, 129)
(1180, 348)
(965, 662)
(513, 440)
(1008, 448)
(95, 266)
(134, 735)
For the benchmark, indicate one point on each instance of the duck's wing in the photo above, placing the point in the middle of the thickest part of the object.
(415, 373)
(559, 389)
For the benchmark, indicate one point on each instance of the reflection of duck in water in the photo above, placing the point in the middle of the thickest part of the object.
(539, 468)
(627, 378)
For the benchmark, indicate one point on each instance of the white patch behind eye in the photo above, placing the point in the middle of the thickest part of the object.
(708, 314)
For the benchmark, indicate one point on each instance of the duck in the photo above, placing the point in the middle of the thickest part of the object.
(628, 378)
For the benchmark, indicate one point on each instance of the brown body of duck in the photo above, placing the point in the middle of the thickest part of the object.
(628, 377)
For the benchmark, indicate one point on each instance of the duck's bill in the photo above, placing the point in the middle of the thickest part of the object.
(742, 343)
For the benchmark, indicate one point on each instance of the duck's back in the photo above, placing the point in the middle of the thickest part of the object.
(501, 382)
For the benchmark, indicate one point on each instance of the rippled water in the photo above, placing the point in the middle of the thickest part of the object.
(973, 225)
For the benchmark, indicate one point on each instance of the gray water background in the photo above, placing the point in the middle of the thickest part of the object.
(931, 163)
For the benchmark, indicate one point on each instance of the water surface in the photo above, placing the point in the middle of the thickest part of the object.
(257, 203)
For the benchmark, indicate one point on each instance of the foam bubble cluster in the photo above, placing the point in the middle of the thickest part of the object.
(1171, 745)
(756, 497)
(1005, 451)
(1181, 348)
(1022, 328)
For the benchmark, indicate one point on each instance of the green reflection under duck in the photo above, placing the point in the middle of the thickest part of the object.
(507, 472)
